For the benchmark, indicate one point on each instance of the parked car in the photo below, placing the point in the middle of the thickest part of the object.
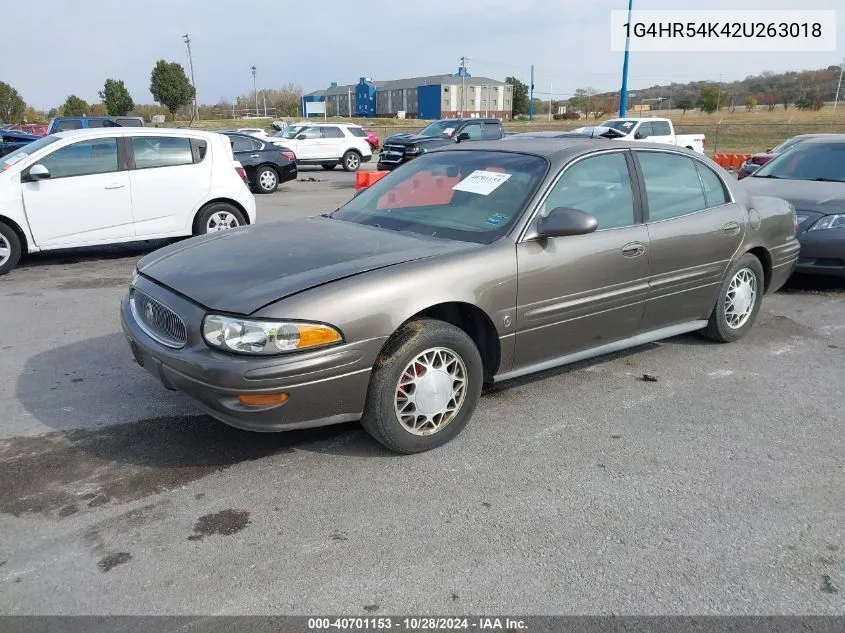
(654, 130)
(758, 160)
(473, 264)
(327, 144)
(372, 139)
(36, 129)
(252, 131)
(400, 148)
(581, 132)
(104, 186)
(811, 176)
(12, 140)
(266, 165)
(65, 123)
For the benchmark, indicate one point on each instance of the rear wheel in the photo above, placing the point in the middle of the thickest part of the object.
(10, 248)
(329, 167)
(218, 216)
(738, 303)
(266, 180)
(424, 388)
(351, 160)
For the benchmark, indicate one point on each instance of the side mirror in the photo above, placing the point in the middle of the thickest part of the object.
(37, 172)
(301, 137)
(564, 221)
(769, 150)
(463, 136)
(751, 167)
(638, 135)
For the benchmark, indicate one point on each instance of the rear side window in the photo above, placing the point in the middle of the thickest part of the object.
(491, 131)
(241, 143)
(129, 122)
(661, 128)
(714, 188)
(98, 156)
(332, 132)
(62, 126)
(101, 123)
(357, 131)
(672, 185)
(161, 151)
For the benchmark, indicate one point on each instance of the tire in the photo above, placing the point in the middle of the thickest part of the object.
(329, 167)
(266, 180)
(10, 248)
(224, 211)
(351, 160)
(443, 345)
(746, 271)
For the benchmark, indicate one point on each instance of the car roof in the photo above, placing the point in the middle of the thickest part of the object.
(821, 139)
(134, 131)
(329, 123)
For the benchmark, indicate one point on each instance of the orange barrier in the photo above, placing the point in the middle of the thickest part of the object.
(367, 178)
(731, 161)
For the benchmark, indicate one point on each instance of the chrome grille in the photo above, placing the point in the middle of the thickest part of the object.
(158, 321)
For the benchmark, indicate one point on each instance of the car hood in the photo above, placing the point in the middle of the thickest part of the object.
(410, 139)
(246, 269)
(805, 195)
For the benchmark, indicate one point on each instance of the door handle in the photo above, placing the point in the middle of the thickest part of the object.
(115, 185)
(633, 249)
(731, 228)
(253, 155)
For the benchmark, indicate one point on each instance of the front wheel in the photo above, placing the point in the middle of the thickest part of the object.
(218, 216)
(424, 388)
(738, 303)
(10, 248)
(351, 161)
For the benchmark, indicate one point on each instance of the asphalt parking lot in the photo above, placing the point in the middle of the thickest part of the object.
(717, 489)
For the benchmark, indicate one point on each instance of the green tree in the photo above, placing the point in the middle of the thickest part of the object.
(751, 103)
(684, 105)
(12, 105)
(74, 106)
(520, 96)
(169, 85)
(707, 99)
(116, 97)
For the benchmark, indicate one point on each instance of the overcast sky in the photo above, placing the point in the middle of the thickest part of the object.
(73, 47)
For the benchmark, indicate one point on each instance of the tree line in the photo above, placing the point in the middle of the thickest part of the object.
(169, 87)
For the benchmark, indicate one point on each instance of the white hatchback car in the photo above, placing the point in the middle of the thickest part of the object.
(110, 185)
(327, 144)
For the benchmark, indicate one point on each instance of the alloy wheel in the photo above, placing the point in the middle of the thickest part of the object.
(222, 221)
(740, 298)
(431, 391)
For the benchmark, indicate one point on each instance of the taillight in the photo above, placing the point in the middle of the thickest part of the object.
(289, 155)
(241, 172)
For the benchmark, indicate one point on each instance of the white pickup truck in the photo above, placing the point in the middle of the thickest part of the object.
(654, 130)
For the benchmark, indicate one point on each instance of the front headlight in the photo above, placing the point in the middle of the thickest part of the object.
(836, 221)
(414, 149)
(265, 338)
(135, 275)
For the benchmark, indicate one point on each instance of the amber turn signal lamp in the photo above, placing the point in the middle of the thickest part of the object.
(262, 399)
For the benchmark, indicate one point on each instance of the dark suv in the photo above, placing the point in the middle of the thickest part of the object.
(400, 148)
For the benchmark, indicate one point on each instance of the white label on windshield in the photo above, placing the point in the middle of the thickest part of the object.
(482, 182)
(628, 124)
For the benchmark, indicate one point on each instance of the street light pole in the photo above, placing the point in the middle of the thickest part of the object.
(839, 86)
(254, 89)
(623, 95)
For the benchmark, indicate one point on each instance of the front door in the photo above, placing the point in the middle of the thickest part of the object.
(588, 290)
(308, 147)
(694, 229)
(85, 200)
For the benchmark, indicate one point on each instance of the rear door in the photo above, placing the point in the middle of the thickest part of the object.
(86, 200)
(694, 228)
(244, 150)
(170, 178)
(333, 142)
(584, 291)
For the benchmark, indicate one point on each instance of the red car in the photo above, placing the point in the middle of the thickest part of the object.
(372, 139)
(758, 160)
(36, 129)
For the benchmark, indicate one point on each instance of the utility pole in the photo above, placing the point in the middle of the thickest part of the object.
(839, 86)
(463, 72)
(719, 94)
(254, 89)
(623, 94)
(349, 101)
(187, 39)
(531, 96)
(550, 101)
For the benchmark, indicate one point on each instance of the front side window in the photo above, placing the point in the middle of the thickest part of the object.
(97, 156)
(672, 185)
(644, 131)
(473, 130)
(330, 131)
(161, 151)
(598, 185)
(310, 133)
(468, 196)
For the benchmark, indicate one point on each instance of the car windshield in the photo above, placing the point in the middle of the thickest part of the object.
(471, 196)
(290, 132)
(623, 125)
(26, 150)
(791, 142)
(439, 128)
(807, 161)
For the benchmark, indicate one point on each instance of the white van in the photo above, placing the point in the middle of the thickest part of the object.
(111, 185)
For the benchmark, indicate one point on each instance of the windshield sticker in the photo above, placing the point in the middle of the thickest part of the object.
(628, 124)
(481, 182)
(496, 219)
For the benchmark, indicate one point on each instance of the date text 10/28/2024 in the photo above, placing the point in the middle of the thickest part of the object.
(417, 624)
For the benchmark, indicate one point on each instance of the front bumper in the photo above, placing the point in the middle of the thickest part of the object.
(822, 253)
(324, 387)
